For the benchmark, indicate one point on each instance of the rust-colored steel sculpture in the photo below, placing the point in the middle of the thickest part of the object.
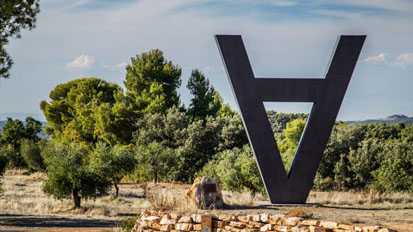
(327, 95)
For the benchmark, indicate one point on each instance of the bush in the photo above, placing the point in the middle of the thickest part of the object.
(30, 150)
(396, 171)
(235, 170)
(128, 223)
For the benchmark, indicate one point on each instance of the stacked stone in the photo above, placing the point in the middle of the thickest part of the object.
(162, 221)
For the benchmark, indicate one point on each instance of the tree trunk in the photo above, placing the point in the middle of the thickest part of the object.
(76, 198)
(155, 177)
(116, 189)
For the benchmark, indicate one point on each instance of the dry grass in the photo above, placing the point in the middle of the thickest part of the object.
(171, 199)
(239, 199)
(299, 212)
(362, 199)
(23, 195)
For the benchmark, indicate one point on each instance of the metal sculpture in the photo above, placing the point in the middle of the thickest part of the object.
(327, 95)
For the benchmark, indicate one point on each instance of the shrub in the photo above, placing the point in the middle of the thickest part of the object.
(236, 170)
(396, 171)
(128, 223)
(30, 150)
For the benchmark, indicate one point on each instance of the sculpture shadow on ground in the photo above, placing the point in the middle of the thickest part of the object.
(54, 221)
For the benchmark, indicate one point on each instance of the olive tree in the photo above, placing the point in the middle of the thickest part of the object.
(70, 175)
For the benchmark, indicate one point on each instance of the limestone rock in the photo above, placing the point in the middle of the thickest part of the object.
(206, 193)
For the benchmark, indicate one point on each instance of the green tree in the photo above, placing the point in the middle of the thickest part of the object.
(233, 133)
(114, 163)
(14, 132)
(158, 159)
(31, 153)
(166, 129)
(396, 171)
(151, 83)
(203, 103)
(86, 110)
(14, 16)
(344, 137)
(225, 109)
(288, 146)
(4, 160)
(363, 162)
(70, 175)
(191, 144)
(199, 143)
(156, 141)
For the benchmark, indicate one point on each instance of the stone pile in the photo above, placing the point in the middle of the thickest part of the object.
(152, 220)
(205, 193)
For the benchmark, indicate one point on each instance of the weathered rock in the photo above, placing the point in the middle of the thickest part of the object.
(292, 221)
(310, 223)
(255, 217)
(266, 227)
(264, 217)
(166, 227)
(371, 228)
(345, 227)
(183, 226)
(329, 224)
(276, 219)
(206, 193)
(197, 227)
(319, 229)
(244, 219)
(235, 224)
(196, 218)
(185, 219)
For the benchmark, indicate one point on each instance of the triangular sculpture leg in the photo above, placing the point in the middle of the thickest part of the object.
(327, 95)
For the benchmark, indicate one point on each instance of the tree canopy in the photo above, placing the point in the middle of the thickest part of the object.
(14, 16)
(86, 110)
(151, 83)
(71, 176)
(204, 102)
(13, 134)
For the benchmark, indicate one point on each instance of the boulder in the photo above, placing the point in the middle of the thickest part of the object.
(206, 193)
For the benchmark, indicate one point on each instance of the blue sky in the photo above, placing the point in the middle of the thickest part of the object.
(284, 38)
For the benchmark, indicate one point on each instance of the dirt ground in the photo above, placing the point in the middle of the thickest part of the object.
(49, 223)
(23, 207)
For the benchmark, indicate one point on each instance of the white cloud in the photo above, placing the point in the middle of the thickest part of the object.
(404, 60)
(212, 69)
(120, 66)
(81, 62)
(282, 3)
(380, 58)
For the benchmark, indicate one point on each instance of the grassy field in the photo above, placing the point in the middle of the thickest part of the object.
(24, 207)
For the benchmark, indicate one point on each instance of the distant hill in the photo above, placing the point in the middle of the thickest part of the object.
(394, 119)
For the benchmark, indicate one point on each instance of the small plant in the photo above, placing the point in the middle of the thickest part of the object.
(127, 224)
(164, 200)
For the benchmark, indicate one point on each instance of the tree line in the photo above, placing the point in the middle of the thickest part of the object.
(101, 134)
